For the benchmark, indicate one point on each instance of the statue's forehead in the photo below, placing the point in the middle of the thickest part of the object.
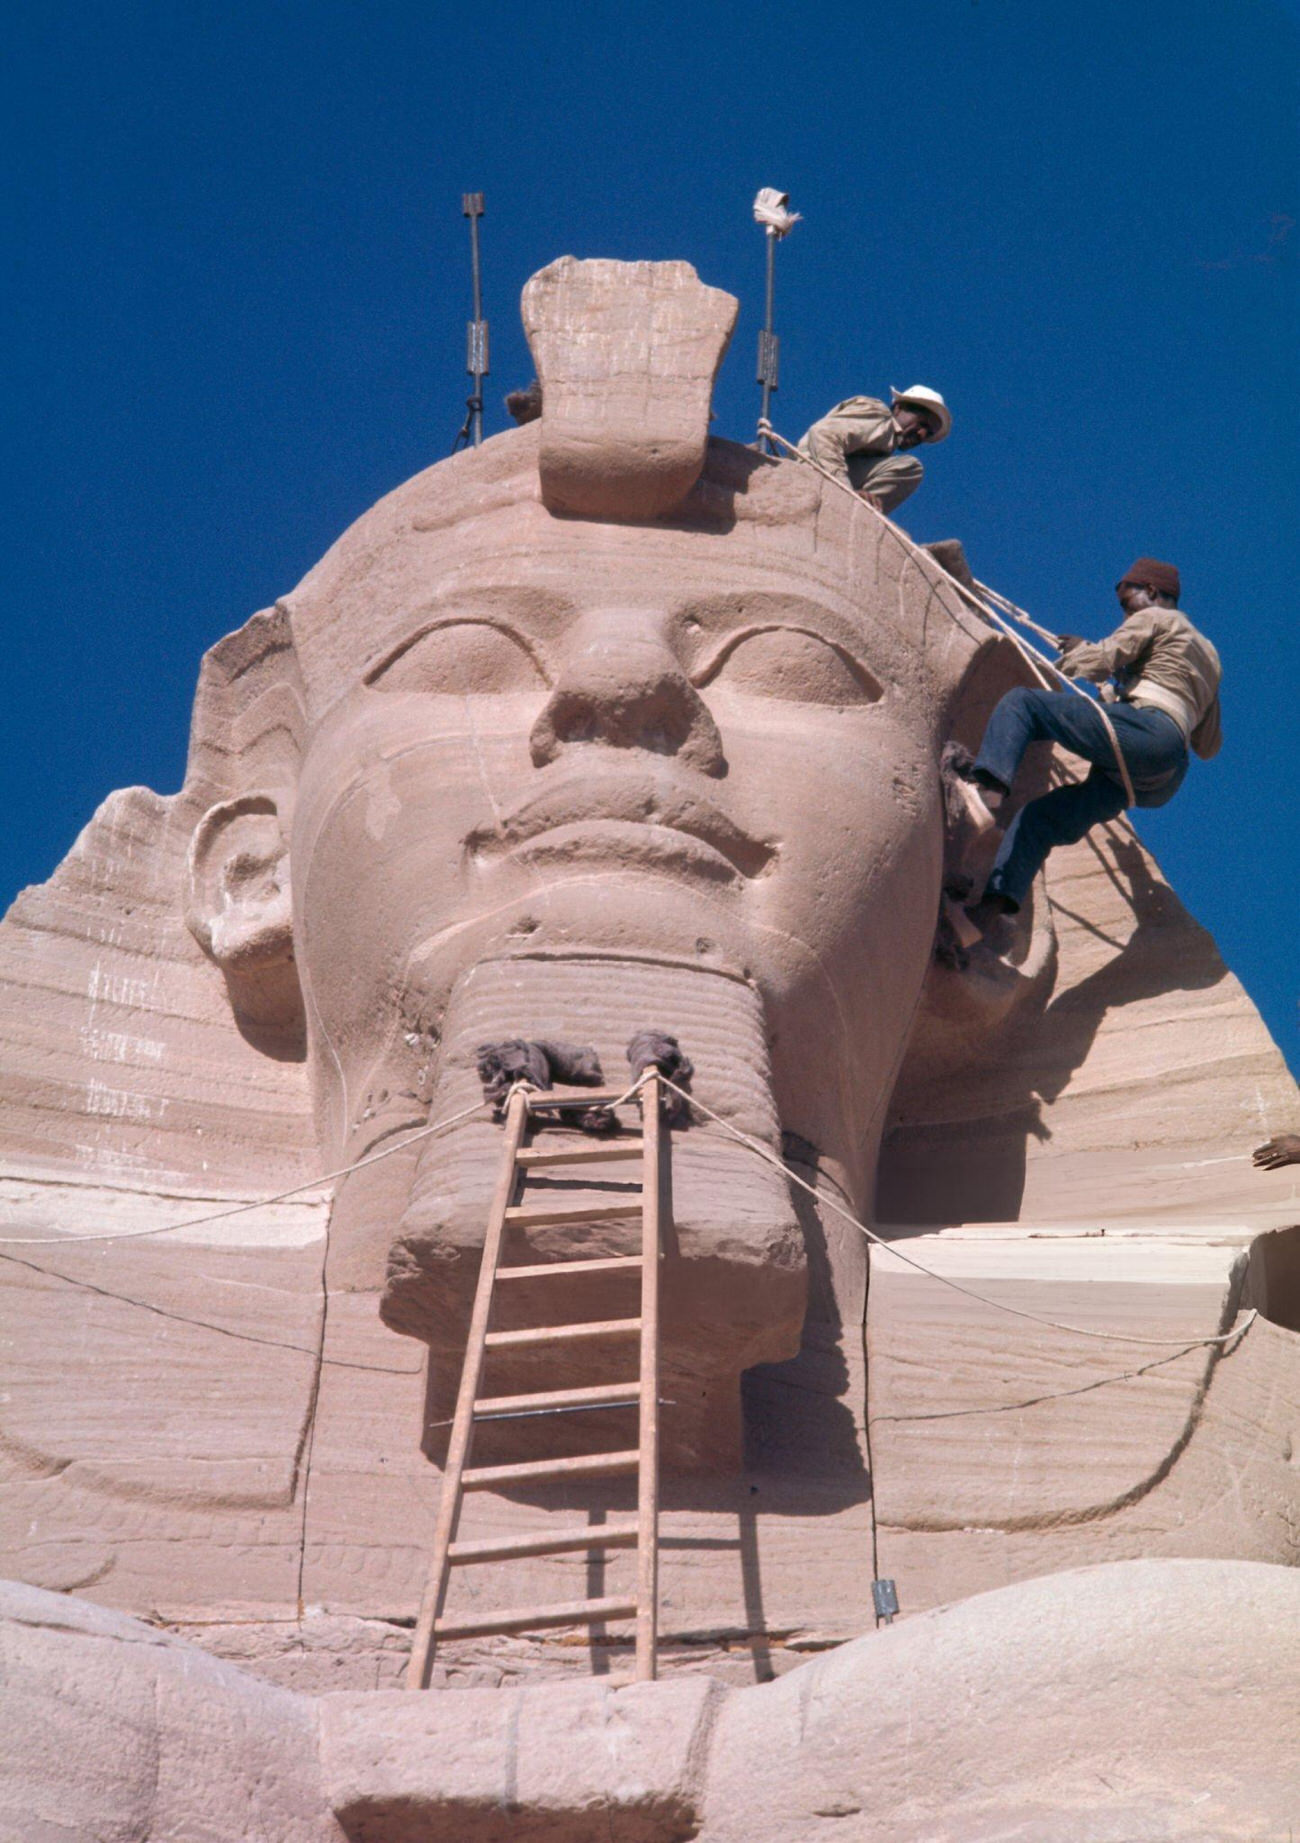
(528, 562)
(591, 564)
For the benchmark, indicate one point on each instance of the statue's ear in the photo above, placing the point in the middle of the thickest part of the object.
(239, 909)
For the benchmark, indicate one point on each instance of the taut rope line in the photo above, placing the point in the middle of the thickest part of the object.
(1035, 660)
(1052, 1324)
(242, 1209)
(754, 1145)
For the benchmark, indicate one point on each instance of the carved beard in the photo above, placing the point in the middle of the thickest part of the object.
(734, 1277)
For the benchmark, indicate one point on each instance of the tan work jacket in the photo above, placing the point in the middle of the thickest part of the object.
(859, 425)
(1160, 661)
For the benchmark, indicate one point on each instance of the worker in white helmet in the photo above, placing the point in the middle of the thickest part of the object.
(865, 442)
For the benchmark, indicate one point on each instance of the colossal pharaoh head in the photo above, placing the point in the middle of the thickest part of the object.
(602, 725)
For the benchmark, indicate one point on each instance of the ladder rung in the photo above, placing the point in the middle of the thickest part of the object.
(612, 1263)
(558, 1334)
(581, 1465)
(525, 1215)
(604, 1394)
(598, 1154)
(526, 1618)
(552, 1542)
(574, 1097)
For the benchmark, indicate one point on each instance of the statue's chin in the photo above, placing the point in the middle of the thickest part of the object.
(734, 1280)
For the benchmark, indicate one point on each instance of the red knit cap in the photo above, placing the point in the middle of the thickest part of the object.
(1148, 573)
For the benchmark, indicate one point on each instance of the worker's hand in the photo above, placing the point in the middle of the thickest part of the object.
(1066, 643)
(1284, 1150)
(871, 499)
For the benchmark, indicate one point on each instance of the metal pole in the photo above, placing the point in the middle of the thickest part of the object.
(768, 345)
(772, 211)
(471, 206)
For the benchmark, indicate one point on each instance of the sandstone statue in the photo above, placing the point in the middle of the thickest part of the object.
(610, 724)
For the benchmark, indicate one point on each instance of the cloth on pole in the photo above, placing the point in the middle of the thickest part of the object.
(772, 211)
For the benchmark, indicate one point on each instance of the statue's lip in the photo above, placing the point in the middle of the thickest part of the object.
(641, 810)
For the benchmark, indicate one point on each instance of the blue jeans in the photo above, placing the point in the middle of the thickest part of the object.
(1154, 753)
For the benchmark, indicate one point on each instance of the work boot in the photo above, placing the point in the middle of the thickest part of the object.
(981, 806)
(963, 925)
(990, 908)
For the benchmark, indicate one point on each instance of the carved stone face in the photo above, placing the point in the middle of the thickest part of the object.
(604, 687)
(619, 739)
(602, 726)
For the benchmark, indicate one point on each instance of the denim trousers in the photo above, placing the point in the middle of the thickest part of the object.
(1154, 753)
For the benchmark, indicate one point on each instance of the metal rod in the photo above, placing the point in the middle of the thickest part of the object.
(471, 206)
(771, 210)
(767, 355)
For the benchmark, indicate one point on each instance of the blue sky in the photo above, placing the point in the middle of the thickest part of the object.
(239, 288)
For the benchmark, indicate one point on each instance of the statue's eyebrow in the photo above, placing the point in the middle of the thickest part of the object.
(462, 617)
(726, 618)
(506, 609)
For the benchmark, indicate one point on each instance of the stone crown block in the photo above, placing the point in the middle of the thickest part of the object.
(626, 353)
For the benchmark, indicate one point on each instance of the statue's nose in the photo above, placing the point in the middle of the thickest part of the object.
(627, 690)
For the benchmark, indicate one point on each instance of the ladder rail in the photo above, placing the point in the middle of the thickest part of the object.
(647, 1589)
(462, 1430)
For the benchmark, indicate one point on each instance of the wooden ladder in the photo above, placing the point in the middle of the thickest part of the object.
(518, 1160)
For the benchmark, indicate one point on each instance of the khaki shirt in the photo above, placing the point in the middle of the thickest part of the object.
(1159, 660)
(859, 425)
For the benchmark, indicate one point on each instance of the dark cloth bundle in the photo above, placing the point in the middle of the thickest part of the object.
(655, 1049)
(541, 1065)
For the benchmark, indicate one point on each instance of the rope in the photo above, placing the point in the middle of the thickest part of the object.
(754, 1145)
(328, 1177)
(1121, 1337)
(241, 1209)
(1018, 614)
(1035, 660)
(473, 407)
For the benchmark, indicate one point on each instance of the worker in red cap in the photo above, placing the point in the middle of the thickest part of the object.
(1160, 682)
(865, 442)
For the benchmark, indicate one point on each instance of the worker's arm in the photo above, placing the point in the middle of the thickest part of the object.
(1102, 659)
(872, 430)
(861, 425)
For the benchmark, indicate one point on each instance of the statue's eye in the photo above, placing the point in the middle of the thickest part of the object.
(792, 663)
(459, 659)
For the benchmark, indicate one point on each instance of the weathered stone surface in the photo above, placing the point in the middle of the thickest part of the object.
(1134, 1097)
(626, 353)
(111, 1732)
(128, 1071)
(507, 762)
(1034, 1449)
(572, 1761)
(1152, 1699)
(1094, 1707)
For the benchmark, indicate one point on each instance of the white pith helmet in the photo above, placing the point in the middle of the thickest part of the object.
(921, 397)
